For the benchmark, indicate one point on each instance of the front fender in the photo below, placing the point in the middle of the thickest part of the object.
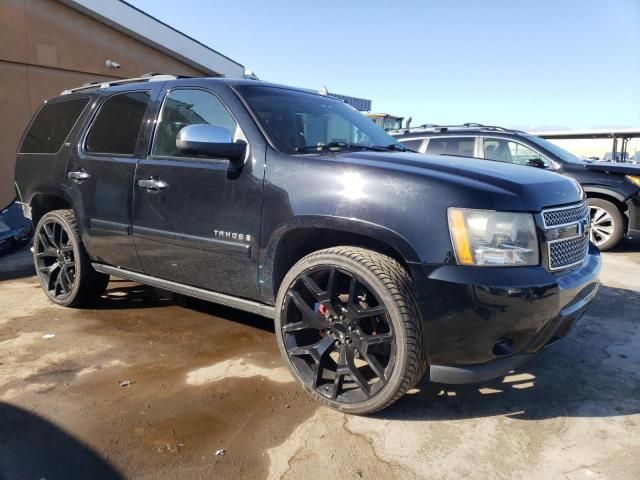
(339, 225)
(619, 196)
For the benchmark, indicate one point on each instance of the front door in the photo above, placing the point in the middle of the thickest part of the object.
(196, 220)
(100, 176)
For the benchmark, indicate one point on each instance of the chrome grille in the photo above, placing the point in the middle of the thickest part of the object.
(568, 251)
(565, 215)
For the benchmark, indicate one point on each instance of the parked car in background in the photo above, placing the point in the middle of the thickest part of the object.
(377, 264)
(609, 157)
(612, 189)
(15, 229)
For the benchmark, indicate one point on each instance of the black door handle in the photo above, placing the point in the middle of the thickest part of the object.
(78, 176)
(152, 184)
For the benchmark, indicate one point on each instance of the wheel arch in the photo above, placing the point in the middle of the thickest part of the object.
(43, 202)
(291, 243)
(610, 196)
(605, 194)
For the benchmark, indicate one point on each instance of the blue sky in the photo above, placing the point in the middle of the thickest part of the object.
(527, 64)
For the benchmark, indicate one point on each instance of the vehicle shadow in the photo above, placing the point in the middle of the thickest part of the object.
(123, 294)
(17, 263)
(594, 372)
(33, 447)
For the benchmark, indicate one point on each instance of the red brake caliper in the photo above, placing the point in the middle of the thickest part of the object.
(322, 310)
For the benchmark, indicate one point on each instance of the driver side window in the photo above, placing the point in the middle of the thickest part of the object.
(185, 107)
(503, 150)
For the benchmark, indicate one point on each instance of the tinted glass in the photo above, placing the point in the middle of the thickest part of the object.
(504, 150)
(188, 107)
(296, 121)
(412, 144)
(462, 146)
(117, 124)
(556, 150)
(52, 125)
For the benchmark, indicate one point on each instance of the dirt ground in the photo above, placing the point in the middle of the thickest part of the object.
(149, 386)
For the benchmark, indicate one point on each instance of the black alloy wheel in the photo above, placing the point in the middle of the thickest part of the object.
(338, 335)
(341, 333)
(55, 259)
(62, 264)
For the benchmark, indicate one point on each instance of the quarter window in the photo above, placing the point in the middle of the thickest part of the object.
(116, 127)
(188, 107)
(52, 125)
(412, 144)
(462, 146)
(504, 150)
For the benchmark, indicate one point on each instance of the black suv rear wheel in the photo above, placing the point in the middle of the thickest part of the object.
(62, 264)
(349, 329)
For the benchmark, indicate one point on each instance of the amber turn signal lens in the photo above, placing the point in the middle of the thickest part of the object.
(459, 236)
(634, 179)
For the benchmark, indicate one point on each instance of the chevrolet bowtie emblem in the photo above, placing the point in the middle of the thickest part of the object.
(584, 226)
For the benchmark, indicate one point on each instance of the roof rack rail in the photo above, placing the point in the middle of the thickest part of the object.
(147, 77)
(444, 128)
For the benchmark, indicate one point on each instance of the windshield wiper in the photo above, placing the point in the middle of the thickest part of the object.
(339, 146)
(394, 147)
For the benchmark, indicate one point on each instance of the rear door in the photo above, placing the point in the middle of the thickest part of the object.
(100, 174)
(200, 226)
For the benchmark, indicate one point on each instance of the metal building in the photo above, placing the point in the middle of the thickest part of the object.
(49, 45)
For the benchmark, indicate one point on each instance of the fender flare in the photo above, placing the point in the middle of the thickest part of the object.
(339, 224)
(604, 191)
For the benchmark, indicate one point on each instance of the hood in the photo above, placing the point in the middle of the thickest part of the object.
(507, 186)
(611, 167)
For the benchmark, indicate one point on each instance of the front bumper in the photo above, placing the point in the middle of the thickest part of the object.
(480, 323)
(633, 212)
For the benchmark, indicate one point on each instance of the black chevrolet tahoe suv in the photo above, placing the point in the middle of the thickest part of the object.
(612, 188)
(378, 265)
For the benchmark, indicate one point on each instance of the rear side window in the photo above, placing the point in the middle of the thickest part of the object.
(52, 125)
(116, 127)
(462, 146)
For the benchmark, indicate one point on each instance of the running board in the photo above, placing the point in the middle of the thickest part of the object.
(220, 298)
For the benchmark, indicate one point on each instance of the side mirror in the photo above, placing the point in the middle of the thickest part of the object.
(536, 162)
(205, 140)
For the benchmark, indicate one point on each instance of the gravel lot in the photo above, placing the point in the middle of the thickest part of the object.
(148, 385)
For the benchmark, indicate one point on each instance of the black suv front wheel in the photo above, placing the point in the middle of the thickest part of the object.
(349, 329)
(607, 226)
(62, 264)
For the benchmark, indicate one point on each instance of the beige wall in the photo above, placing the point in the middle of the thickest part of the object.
(46, 47)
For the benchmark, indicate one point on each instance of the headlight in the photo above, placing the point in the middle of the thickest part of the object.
(634, 179)
(489, 238)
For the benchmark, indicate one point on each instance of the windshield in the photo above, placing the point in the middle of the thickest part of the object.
(559, 152)
(299, 122)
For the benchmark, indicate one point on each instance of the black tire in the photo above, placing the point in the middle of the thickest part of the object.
(62, 264)
(398, 329)
(616, 224)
